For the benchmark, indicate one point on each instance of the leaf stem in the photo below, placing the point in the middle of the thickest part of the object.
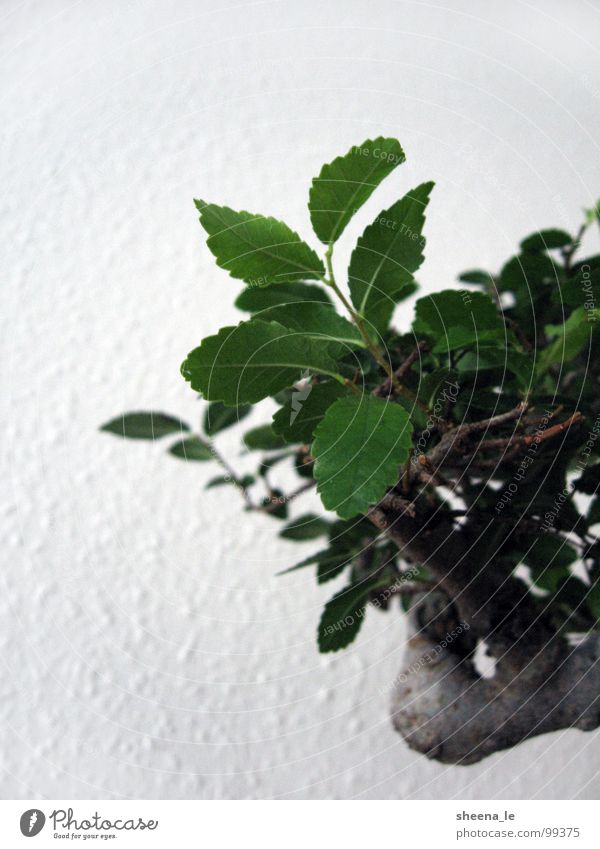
(358, 321)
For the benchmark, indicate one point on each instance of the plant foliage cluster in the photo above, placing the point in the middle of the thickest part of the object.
(484, 415)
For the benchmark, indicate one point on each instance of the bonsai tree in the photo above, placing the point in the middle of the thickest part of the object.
(457, 462)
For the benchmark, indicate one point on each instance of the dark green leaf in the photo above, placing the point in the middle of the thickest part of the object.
(386, 256)
(330, 563)
(570, 339)
(192, 448)
(593, 601)
(593, 516)
(306, 527)
(358, 448)
(278, 506)
(320, 321)
(546, 240)
(589, 481)
(472, 312)
(147, 425)
(223, 480)
(256, 298)
(346, 183)
(256, 249)
(527, 274)
(297, 419)
(343, 616)
(549, 559)
(481, 278)
(263, 438)
(254, 360)
(218, 417)
(267, 463)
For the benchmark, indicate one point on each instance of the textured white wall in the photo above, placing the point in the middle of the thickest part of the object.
(147, 648)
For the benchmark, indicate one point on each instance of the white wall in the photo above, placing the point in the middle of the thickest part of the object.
(148, 649)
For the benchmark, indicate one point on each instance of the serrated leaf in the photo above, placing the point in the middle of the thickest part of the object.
(546, 240)
(144, 425)
(297, 419)
(263, 438)
(358, 449)
(570, 339)
(527, 274)
(192, 448)
(247, 363)
(256, 298)
(259, 250)
(218, 417)
(386, 255)
(305, 527)
(342, 617)
(320, 321)
(473, 313)
(345, 184)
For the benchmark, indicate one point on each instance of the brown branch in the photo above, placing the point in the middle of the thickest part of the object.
(385, 389)
(453, 440)
(529, 439)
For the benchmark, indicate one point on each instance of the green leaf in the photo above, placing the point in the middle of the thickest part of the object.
(306, 527)
(319, 321)
(527, 274)
(593, 600)
(589, 481)
(267, 463)
(593, 516)
(297, 419)
(549, 559)
(148, 425)
(570, 339)
(280, 510)
(218, 417)
(473, 313)
(223, 480)
(192, 448)
(256, 298)
(263, 438)
(330, 563)
(345, 184)
(343, 616)
(500, 358)
(481, 278)
(358, 449)
(247, 363)
(546, 240)
(256, 249)
(386, 255)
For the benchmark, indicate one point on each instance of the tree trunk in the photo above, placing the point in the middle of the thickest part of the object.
(442, 706)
